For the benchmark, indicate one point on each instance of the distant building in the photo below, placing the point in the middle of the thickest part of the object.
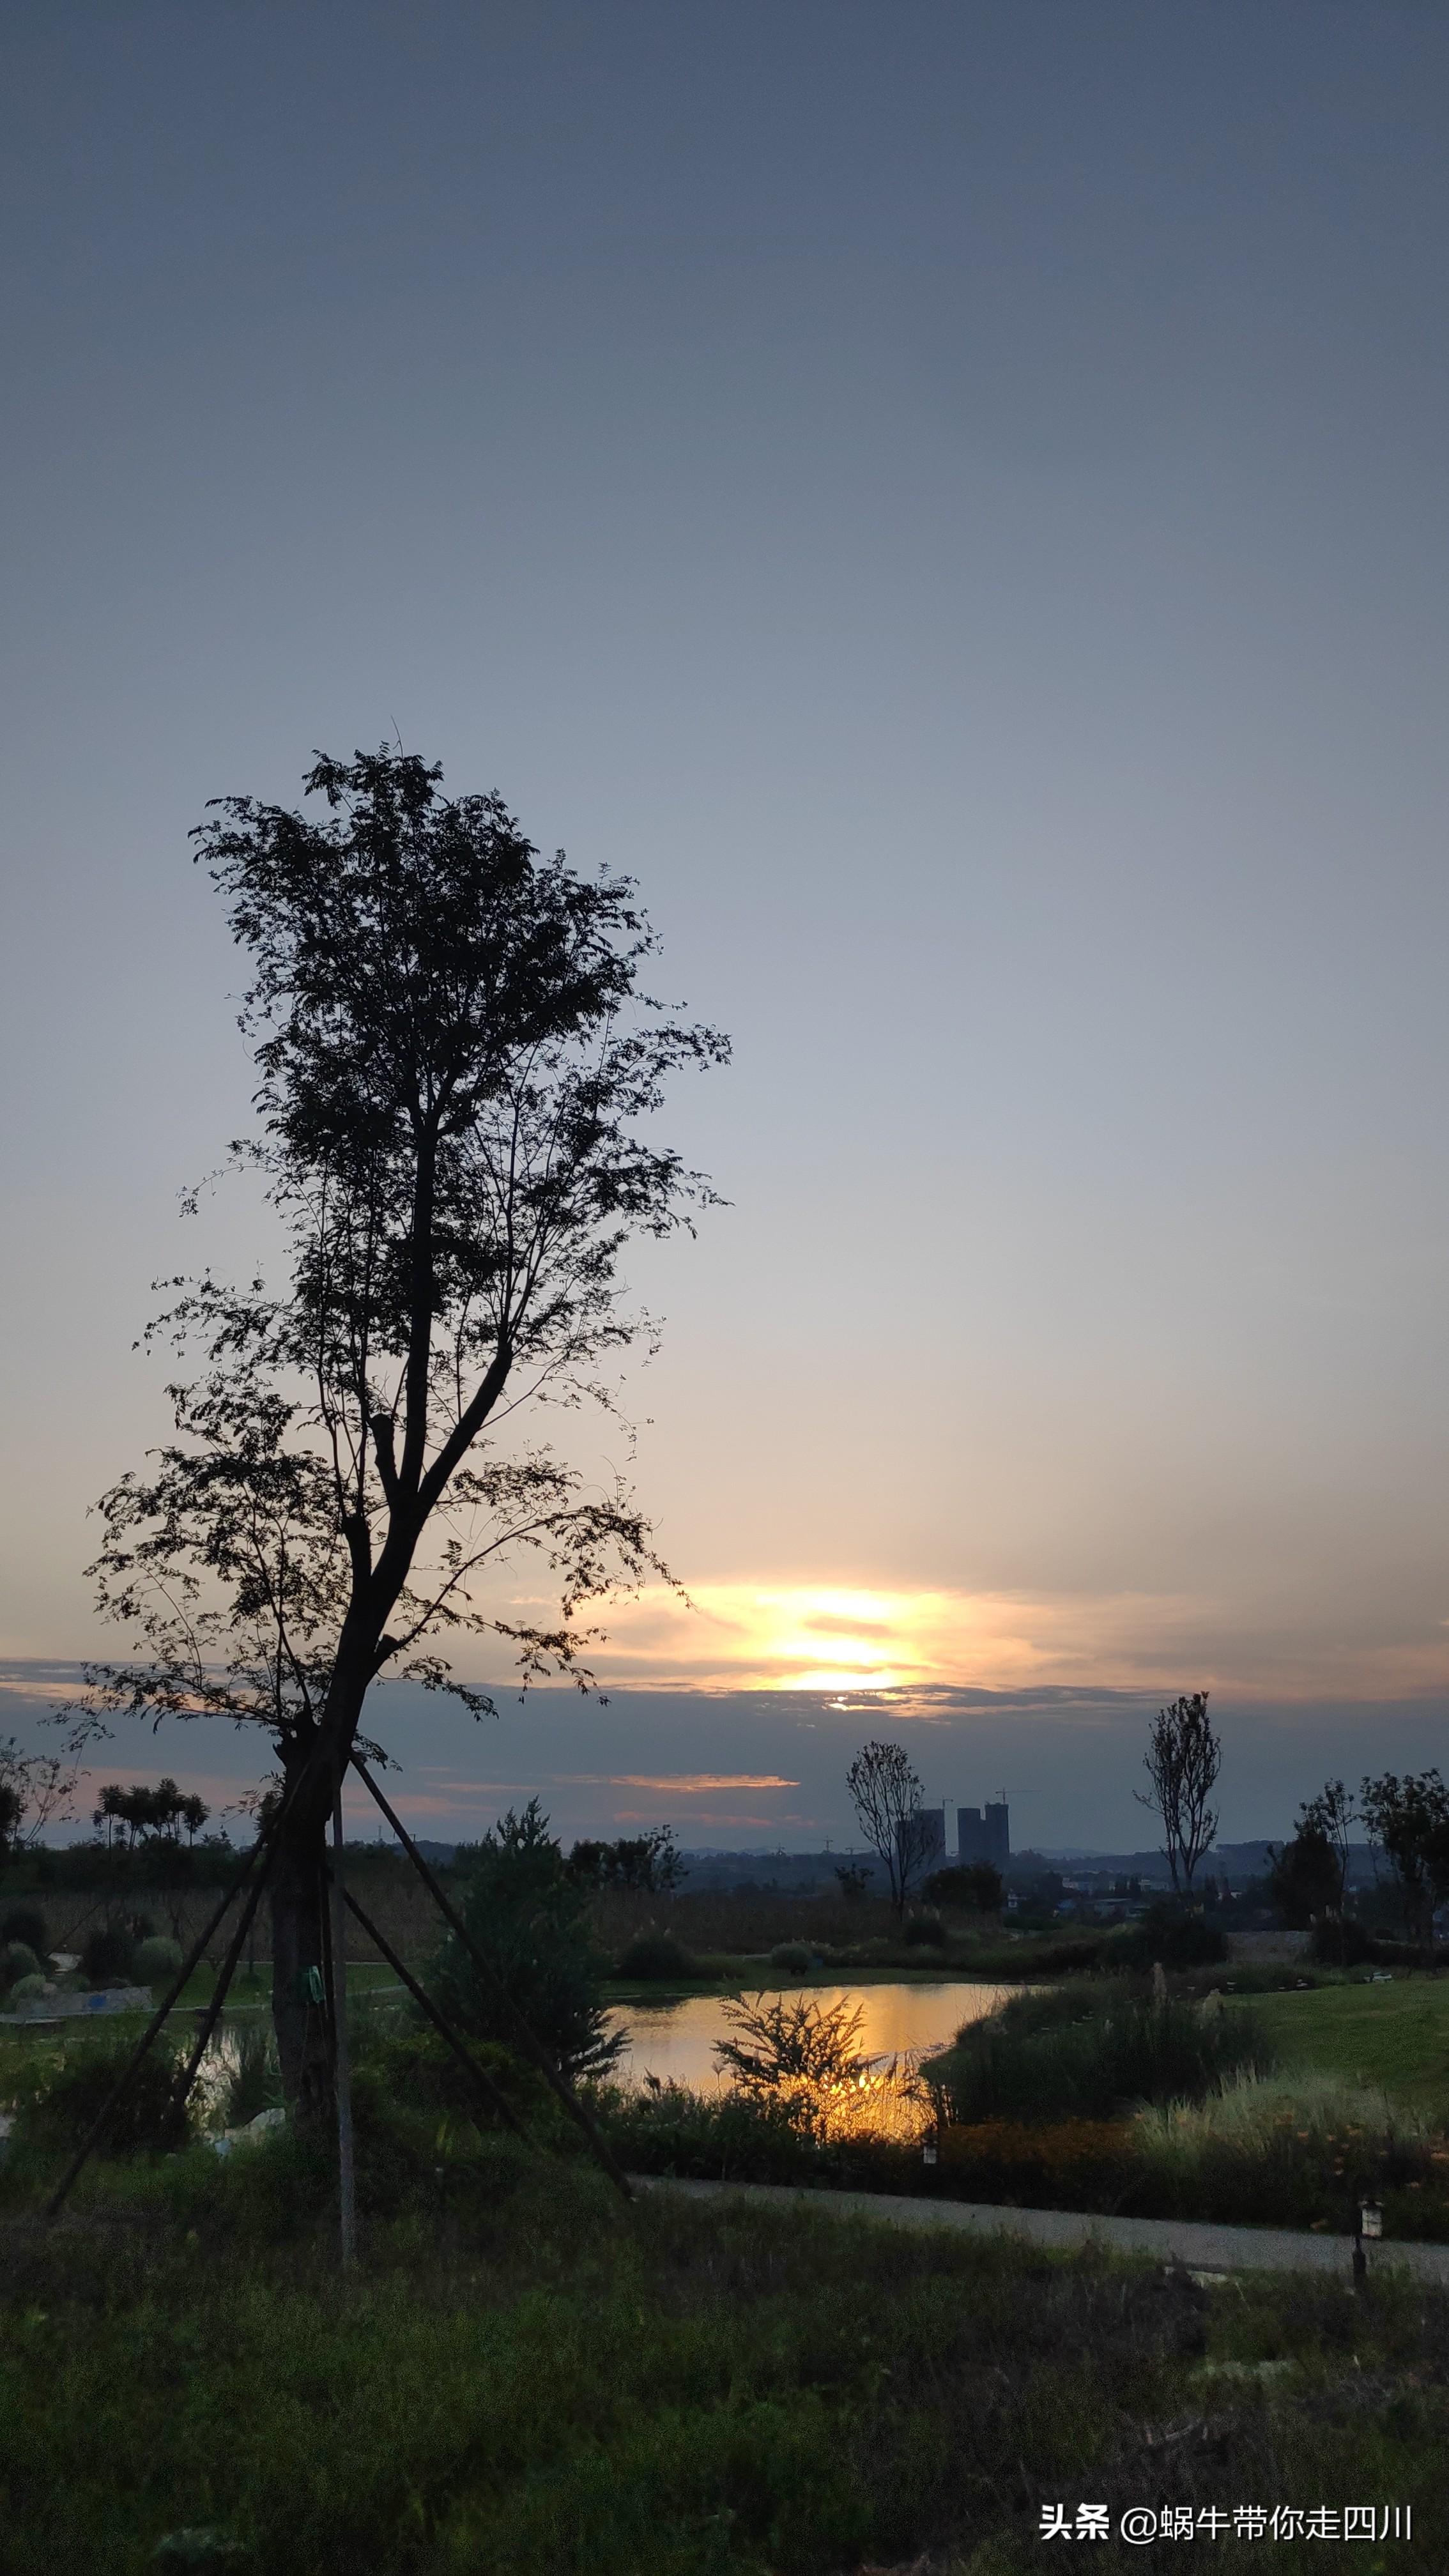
(931, 1822)
(981, 1834)
(984, 1834)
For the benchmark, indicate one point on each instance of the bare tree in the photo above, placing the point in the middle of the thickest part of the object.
(886, 1794)
(455, 1065)
(1182, 1762)
(35, 1790)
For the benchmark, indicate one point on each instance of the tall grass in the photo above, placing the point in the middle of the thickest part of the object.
(1296, 2150)
(1090, 2053)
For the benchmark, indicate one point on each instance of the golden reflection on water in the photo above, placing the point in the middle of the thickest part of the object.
(675, 2042)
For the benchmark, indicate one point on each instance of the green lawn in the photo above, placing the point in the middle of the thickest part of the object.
(1395, 2036)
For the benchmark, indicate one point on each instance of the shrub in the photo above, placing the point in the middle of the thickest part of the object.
(924, 1931)
(973, 1886)
(69, 2091)
(1074, 2164)
(254, 2082)
(156, 1961)
(792, 1956)
(1341, 1942)
(780, 2043)
(1086, 2056)
(106, 1958)
(25, 1923)
(530, 1919)
(656, 1955)
(17, 1959)
(414, 2065)
(1179, 1938)
(29, 1989)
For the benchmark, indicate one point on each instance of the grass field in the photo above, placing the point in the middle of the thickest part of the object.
(527, 2379)
(1392, 2036)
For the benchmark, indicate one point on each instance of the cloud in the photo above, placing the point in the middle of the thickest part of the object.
(689, 1784)
(928, 1652)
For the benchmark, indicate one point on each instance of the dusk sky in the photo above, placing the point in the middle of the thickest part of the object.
(953, 499)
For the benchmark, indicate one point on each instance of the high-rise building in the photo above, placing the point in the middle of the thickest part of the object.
(930, 1852)
(984, 1835)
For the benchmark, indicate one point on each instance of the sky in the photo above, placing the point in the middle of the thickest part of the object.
(952, 498)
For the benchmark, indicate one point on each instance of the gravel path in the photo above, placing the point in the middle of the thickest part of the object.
(1170, 2240)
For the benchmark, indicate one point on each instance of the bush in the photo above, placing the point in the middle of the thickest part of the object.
(1073, 2164)
(30, 1989)
(973, 1887)
(17, 1959)
(255, 2083)
(530, 1920)
(1341, 1943)
(1078, 2056)
(106, 1958)
(791, 1955)
(658, 1955)
(415, 2066)
(924, 1931)
(155, 1962)
(1176, 1936)
(72, 2086)
(25, 1923)
(780, 2043)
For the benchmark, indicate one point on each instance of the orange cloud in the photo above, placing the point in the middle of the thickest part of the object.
(767, 1637)
(689, 1784)
(742, 1636)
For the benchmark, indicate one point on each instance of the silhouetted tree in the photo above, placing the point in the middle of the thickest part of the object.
(455, 1061)
(1408, 1821)
(35, 1790)
(886, 1794)
(1310, 1874)
(1304, 1877)
(648, 1863)
(528, 1915)
(1182, 1762)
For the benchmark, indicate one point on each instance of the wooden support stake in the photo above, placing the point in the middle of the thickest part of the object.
(482, 2080)
(124, 2080)
(532, 2048)
(225, 1973)
(341, 2064)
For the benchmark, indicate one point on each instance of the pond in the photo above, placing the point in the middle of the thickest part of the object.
(676, 2041)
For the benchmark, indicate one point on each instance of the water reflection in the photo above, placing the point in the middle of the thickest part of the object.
(675, 2042)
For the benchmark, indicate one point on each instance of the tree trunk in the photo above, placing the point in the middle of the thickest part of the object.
(299, 1990)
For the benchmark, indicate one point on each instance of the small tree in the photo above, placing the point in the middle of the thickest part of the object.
(1310, 1874)
(529, 1918)
(886, 1793)
(1182, 1762)
(35, 1791)
(1305, 1878)
(1408, 1821)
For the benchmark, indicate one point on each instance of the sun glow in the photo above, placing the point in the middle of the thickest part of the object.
(843, 1640)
